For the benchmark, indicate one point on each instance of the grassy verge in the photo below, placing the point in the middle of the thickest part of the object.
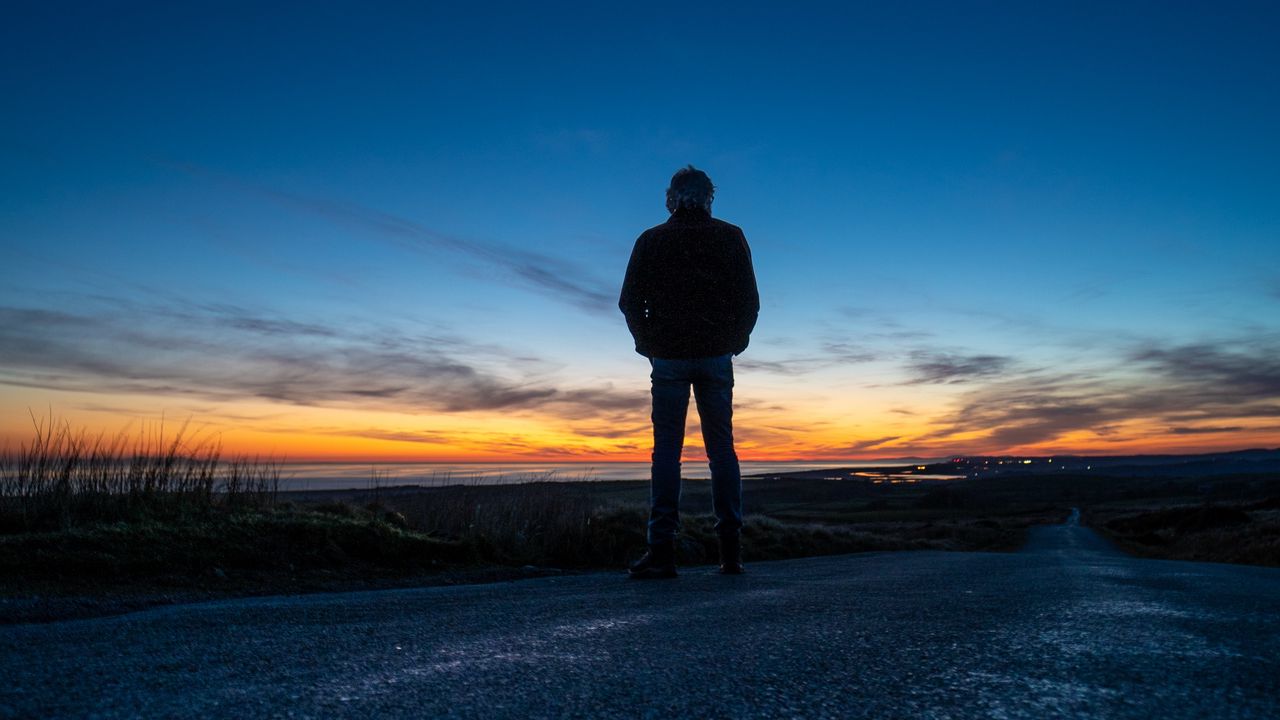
(307, 541)
(1241, 532)
(91, 525)
(415, 536)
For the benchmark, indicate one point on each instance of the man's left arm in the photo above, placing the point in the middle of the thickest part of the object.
(746, 296)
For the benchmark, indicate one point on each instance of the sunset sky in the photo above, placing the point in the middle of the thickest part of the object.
(324, 232)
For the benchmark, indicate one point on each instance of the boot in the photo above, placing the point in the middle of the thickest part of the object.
(659, 563)
(731, 555)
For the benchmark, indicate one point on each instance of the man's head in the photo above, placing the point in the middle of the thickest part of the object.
(690, 188)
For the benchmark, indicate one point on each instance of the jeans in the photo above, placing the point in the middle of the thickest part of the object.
(712, 381)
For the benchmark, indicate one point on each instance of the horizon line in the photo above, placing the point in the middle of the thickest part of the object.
(912, 458)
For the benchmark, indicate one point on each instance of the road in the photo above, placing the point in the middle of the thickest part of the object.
(1066, 628)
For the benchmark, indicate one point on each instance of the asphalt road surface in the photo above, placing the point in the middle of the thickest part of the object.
(1066, 628)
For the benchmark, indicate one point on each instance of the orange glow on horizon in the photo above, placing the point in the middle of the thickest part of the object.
(815, 433)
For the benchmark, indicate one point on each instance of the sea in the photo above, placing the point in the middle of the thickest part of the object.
(340, 476)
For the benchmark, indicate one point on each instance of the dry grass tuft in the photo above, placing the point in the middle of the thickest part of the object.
(65, 478)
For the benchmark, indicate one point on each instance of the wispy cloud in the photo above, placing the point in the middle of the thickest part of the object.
(1206, 430)
(829, 354)
(1180, 389)
(1243, 373)
(611, 431)
(409, 436)
(228, 353)
(545, 274)
(790, 366)
(238, 318)
(1028, 410)
(935, 367)
(872, 444)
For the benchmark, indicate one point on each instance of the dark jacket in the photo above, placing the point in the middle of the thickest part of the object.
(690, 290)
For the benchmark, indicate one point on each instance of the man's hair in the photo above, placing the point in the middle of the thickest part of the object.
(690, 188)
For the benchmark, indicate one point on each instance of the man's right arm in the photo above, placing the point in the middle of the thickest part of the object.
(634, 299)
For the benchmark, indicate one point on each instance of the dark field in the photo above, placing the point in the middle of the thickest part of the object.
(104, 551)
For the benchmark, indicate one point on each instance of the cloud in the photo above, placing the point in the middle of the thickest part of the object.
(792, 366)
(611, 431)
(227, 353)
(548, 275)
(239, 318)
(830, 354)
(1018, 412)
(1217, 384)
(935, 367)
(1233, 375)
(1205, 430)
(488, 441)
(872, 444)
(427, 438)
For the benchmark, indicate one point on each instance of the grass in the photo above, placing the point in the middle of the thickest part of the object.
(1238, 532)
(65, 478)
(150, 515)
(601, 524)
(284, 540)
(90, 524)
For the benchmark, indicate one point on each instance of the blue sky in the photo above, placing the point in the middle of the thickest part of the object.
(237, 212)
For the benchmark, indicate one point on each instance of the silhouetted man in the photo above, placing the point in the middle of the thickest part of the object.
(690, 301)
